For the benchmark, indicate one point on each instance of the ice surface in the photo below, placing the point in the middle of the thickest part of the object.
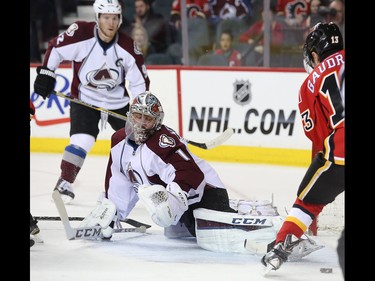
(151, 256)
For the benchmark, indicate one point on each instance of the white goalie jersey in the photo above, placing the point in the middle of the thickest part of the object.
(163, 160)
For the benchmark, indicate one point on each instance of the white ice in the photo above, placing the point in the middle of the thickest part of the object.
(151, 256)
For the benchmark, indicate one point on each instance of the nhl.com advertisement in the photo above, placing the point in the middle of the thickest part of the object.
(260, 105)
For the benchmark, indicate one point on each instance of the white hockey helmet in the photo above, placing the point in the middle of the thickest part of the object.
(107, 7)
(148, 105)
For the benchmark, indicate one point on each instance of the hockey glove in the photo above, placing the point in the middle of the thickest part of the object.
(44, 82)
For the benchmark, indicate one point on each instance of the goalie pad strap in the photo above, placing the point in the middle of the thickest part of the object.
(254, 207)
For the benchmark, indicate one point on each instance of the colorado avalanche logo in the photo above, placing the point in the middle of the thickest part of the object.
(242, 93)
(102, 79)
(134, 177)
(165, 141)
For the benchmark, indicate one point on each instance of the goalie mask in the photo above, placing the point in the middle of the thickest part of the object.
(107, 7)
(145, 117)
(325, 39)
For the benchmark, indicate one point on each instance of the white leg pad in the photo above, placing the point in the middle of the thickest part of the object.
(227, 232)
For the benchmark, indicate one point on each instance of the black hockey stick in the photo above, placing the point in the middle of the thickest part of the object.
(219, 140)
(131, 222)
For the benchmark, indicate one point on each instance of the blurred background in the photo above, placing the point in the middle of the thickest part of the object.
(250, 33)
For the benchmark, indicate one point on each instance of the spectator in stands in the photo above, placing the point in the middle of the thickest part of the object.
(254, 37)
(194, 9)
(337, 14)
(295, 12)
(35, 54)
(140, 37)
(315, 16)
(229, 9)
(226, 49)
(43, 26)
(155, 24)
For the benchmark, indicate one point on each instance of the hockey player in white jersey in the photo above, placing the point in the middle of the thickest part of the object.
(103, 60)
(183, 194)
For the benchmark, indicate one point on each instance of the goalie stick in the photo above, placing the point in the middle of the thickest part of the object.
(84, 232)
(219, 140)
(132, 222)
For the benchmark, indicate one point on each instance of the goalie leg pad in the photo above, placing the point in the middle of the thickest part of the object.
(165, 207)
(227, 232)
(104, 215)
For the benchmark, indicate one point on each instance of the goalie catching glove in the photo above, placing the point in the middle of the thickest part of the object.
(165, 205)
(45, 81)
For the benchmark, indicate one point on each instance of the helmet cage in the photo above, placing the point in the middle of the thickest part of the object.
(145, 104)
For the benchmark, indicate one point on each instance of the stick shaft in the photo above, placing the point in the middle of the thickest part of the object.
(109, 112)
(219, 140)
(129, 221)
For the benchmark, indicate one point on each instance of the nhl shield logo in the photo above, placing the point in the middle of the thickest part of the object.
(242, 92)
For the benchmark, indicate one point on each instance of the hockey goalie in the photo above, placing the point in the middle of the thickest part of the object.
(149, 162)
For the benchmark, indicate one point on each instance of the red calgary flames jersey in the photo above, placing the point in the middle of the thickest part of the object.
(322, 109)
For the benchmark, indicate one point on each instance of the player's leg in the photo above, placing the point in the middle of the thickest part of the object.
(83, 133)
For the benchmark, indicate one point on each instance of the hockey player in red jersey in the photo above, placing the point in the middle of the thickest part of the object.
(103, 60)
(321, 108)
